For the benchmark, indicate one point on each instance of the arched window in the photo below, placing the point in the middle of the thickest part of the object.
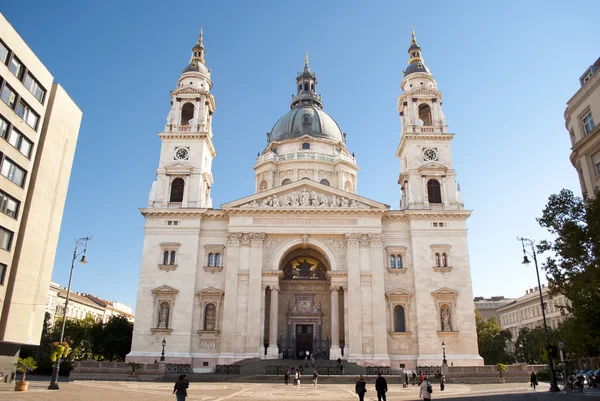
(211, 259)
(306, 86)
(172, 260)
(306, 119)
(187, 113)
(300, 87)
(399, 324)
(177, 187)
(312, 86)
(305, 145)
(218, 259)
(425, 114)
(348, 186)
(263, 186)
(286, 181)
(324, 182)
(210, 317)
(392, 262)
(166, 258)
(434, 193)
(444, 259)
(399, 261)
(437, 259)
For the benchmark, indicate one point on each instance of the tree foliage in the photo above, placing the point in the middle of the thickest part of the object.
(530, 345)
(492, 340)
(573, 266)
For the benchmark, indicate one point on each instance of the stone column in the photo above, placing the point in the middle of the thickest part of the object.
(355, 342)
(186, 191)
(253, 340)
(444, 193)
(346, 324)
(261, 338)
(335, 352)
(230, 300)
(273, 351)
(380, 351)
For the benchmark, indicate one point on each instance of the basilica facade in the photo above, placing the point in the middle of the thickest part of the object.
(305, 263)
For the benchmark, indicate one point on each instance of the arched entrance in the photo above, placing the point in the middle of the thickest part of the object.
(304, 304)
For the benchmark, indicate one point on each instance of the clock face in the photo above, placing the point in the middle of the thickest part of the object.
(181, 153)
(429, 155)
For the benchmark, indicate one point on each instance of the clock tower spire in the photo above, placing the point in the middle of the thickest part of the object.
(427, 178)
(184, 176)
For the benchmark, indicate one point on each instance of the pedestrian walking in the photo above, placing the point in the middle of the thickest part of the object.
(421, 378)
(381, 387)
(312, 358)
(298, 376)
(405, 380)
(187, 382)
(315, 378)
(342, 367)
(425, 389)
(286, 377)
(442, 382)
(414, 378)
(180, 388)
(533, 380)
(361, 388)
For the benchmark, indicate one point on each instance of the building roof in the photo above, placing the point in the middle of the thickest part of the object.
(306, 120)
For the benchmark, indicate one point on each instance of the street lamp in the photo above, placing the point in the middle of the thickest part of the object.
(553, 384)
(162, 356)
(444, 361)
(81, 241)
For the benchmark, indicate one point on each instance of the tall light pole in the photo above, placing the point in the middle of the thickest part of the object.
(553, 383)
(444, 361)
(81, 241)
(162, 356)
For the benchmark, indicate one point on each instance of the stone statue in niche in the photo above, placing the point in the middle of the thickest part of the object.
(445, 317)
(163, 316)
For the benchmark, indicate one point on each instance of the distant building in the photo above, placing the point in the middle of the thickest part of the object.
(526, 312)
(82, 304)
(581, 117)
(39, 126)
(488, 307)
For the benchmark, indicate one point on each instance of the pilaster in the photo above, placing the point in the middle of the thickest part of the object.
(380, 352)
(230, 299)
(335, 351)
(253, 340)
(354, 295)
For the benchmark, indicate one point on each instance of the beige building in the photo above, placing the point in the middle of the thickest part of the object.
(526, 312)
(39, 125)
(581, 119)
(488, 307)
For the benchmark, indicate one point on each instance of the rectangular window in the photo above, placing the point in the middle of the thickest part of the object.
(598, 168)
(3, 267)
(34, 87)
(588, 123)
(3, 53)
(3, 127)
(9, 96)
(20, 141)
(27, 114)
(5, 238)
(9, 205)
(16, 67)
(13, 172)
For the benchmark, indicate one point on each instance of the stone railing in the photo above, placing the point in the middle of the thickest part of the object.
(184, 128)
(420, 129)
(174, 205)
(116, 371)
(305, 156)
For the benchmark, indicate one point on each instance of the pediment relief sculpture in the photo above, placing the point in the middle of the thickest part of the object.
(306, 199)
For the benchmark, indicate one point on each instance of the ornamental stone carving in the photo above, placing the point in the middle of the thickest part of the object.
(271, 245)
(376, 239)
(364, 240)
(352, 239)
(245, 239)
(233, 239)
(257, 239)
(338, 247)
(306, 199)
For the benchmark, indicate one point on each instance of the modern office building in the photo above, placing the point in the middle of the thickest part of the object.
(581, 117)
(39, 125)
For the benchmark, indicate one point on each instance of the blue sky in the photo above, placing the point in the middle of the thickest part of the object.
(506, 69)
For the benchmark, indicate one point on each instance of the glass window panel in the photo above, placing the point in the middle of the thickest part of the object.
(3, 127)
(5, 238)
(25, 147)
(3, 53)
(13, 172)
(392, 262)
(16, 67)
(3, 267)
(8, 96)
(13, 137)
(34, 87)
(399, 264)
(8, 205)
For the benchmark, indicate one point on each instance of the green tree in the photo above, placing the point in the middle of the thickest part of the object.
(573, 268)
(115, 343)
(492, 340)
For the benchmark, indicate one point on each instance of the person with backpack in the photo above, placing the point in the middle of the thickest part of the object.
(381, 387)
(361, 388)
(425, 389)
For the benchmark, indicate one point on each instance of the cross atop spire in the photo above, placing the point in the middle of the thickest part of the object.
(414, 39)
(306, 59)
(198, 50)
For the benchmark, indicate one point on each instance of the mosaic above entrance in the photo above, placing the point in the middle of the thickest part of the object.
(304, 268)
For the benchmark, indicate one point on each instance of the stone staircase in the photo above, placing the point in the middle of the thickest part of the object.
(257, 366)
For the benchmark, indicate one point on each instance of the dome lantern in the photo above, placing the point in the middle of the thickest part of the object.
(306, 85)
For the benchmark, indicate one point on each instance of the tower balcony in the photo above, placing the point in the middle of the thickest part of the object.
(422, 129)
(185, 128)
(300, 156)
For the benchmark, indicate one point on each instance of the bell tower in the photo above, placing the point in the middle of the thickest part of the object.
(427, 179)
(184, 176)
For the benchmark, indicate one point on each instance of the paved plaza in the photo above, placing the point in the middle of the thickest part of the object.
(136, 391)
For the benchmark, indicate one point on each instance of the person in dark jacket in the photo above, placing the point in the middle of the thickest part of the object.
(286, 377)
(405, 380)
(361, 388)
(381, 387)
(180, 388)
(533, 380)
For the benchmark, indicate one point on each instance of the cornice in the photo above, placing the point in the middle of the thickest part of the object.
(172, 212)
(191, 135)
(406, 136)
(305, 211)
(578, 97)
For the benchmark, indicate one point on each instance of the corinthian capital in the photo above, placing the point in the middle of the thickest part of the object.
(352, 239)
(257, 239)
(233, 239)
(376, 239)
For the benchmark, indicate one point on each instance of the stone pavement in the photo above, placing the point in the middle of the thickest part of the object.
(136, 391)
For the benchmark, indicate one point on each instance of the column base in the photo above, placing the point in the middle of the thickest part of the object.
(335, 353)
(272, 352)
(346, 353)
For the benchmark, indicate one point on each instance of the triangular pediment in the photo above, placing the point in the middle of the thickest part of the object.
(189, 89)
(398, 293)
(433, 166)
(178, 168)
(305, 194)
(210, 292)
(165, 290)
(445, 291)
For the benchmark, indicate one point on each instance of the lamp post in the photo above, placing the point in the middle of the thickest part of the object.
(81, 241)
(444, 361)
(162, 356)
(553, 383)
